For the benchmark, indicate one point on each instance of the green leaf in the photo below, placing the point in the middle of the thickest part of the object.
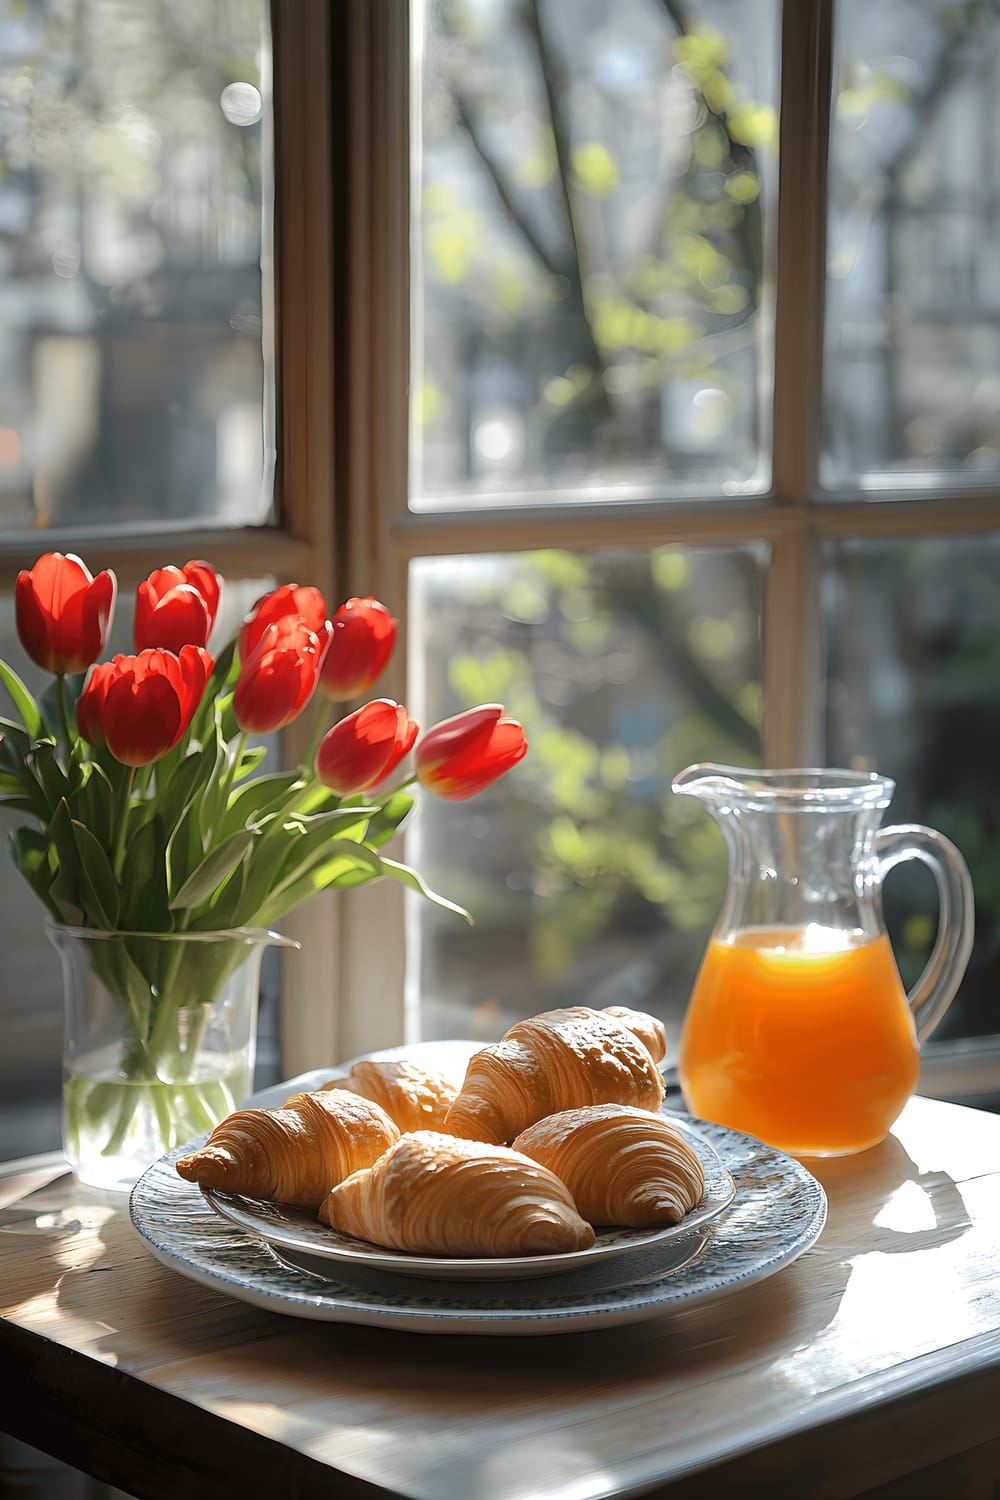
(31, 852)
(280, 857)
(214, 792)
(416, 882)
(358, 856)
(385, 823)
(98, 887)
(16, 745)
(64, 894)
(227, 720)
(15, 748)
(174, 795)
(143, 883)
(305, 839)
(215, 868)
(22, 700)
(345, 868)
(250, 759)
(60, 833)
(92, 802)
(257, 798)
(48, 772)
(183, 850)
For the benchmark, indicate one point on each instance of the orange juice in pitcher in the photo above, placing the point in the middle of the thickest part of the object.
(799, 1030)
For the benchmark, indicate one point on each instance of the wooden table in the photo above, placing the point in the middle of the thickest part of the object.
(876, 1355)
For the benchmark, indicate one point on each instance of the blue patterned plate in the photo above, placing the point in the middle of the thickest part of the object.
(778, 1212)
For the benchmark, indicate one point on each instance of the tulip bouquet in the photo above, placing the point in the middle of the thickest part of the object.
(152, 818)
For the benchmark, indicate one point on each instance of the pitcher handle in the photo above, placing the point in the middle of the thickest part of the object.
(937, 986)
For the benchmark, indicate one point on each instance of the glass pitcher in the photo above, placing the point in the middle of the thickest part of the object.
(799, 1030)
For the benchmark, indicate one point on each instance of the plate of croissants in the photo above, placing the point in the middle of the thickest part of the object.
(501, 1188)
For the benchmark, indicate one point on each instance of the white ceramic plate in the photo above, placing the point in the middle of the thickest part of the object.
(299, 1231)
(778, 1212)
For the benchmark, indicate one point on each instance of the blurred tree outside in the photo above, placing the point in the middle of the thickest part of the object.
(133, 175)
(593, 248)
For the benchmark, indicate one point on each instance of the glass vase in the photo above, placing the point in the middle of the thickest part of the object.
(159, 1042)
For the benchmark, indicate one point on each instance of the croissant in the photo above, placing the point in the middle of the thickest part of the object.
(434, 1195)
(561, 1059)
(294, 1154)
(622, 1165)
(415, 1098)
(649, 1029)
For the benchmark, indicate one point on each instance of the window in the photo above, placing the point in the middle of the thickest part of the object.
(699, 320)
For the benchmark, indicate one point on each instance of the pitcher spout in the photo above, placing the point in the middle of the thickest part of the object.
(715, 785)
(798, 788)
(707, 775)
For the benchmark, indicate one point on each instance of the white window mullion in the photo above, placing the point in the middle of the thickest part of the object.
(364, 992)
(793, 627)
(304, 241)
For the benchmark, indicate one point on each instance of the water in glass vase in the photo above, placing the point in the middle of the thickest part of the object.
(113, 1127)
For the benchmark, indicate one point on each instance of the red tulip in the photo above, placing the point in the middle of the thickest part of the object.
(365, 747)
(279, 674)
(139, 706)
(63, 613)
(460, 756)
(303, 603)
(176, 607)
(364, 633)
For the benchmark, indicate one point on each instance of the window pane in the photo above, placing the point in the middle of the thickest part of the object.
(914, 657)
(913, 297)
(592, 215)
(31, 1009)
(589, 882)
(135, 380)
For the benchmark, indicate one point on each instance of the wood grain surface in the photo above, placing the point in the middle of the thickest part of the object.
(874, 1356)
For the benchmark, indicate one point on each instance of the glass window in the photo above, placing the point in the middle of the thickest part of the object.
(588, 881)
(135, 331)
(912, 332)
(593, 201)
(913, 633)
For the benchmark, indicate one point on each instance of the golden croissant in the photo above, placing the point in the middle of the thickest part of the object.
(415, 1098)
(294, 1154)
(649, 1029)
(622, 1165)
(561, 1059)
(432, 1194)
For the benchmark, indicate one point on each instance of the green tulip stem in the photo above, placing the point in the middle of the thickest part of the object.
(319, 729)
(308, 784)
(124, 798)
(399, 787)
(64, 712)
(237, 756)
